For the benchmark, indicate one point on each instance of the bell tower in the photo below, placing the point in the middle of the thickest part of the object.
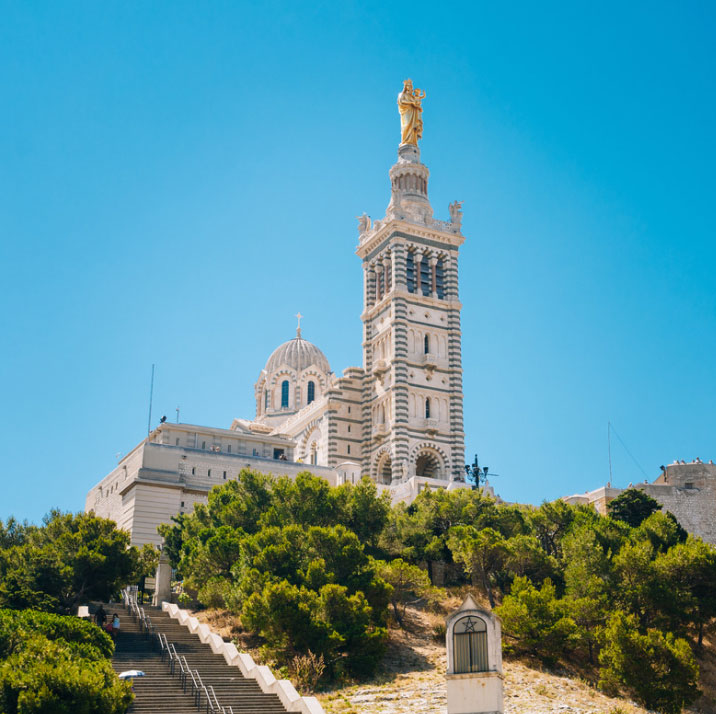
(412, 394)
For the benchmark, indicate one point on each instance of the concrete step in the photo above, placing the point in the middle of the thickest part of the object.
(161, 693)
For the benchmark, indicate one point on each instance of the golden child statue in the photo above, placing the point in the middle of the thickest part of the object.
(411, 113)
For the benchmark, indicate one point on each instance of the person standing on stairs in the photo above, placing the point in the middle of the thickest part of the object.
(100, 617)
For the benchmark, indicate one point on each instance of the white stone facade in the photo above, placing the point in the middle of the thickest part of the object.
(412, 397)
(398, 418)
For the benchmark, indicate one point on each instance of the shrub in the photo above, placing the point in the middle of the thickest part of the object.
(536, 620)
(656, 668)
(306, 671)
(57, 665)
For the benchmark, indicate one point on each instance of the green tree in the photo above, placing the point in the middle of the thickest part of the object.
(13, 532)
(147, 562)
(69, 560)
(306, 500)
(636, 585)
(419, 533)
(330, 623)
(655, 668)
(662, 530)
(536, 620)
(364, 511)
(587, 577)
(410, 584)
(551, 522)
(208, 560)
(51, 664)
(525, 556)
(686, 587)
(481, 553)
(633, 506)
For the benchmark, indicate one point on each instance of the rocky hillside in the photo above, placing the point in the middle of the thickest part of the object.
(413, 682)
(412, 678)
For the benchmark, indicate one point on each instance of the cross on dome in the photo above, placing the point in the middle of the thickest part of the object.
(298, 329)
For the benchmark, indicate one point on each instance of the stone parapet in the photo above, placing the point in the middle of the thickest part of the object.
(282, 688)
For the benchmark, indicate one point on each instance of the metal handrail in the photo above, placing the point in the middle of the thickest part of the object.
(168, 649)
(216, 701)
(201, 685)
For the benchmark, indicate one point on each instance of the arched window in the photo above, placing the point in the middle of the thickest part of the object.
(410, 272)
(311, 392)
(427, 407)
(440, 279)
(284, 393)
(427, 344)
(470, 645)
(266, 399)
(426, 286)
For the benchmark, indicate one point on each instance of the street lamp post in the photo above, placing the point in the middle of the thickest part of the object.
(477, 475)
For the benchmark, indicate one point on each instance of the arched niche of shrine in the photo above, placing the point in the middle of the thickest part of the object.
(474, 640)
(474, 658)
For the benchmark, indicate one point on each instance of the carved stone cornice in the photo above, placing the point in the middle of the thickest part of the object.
(437, 232)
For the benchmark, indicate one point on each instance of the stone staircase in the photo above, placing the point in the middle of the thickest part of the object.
(161, 693)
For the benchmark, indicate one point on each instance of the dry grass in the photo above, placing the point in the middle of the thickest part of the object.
(411, 678)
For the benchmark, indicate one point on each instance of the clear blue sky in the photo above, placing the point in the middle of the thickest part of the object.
(178, 179)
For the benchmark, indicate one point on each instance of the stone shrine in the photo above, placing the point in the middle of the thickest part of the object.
(474, 661)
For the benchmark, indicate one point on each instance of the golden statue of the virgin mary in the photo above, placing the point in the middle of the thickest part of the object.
(411, 113)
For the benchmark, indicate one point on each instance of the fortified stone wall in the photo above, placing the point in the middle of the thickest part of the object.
(689, 492)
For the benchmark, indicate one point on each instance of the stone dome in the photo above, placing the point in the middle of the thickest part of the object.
(297, 354)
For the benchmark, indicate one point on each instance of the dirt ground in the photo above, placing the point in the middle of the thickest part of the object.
(411, 679)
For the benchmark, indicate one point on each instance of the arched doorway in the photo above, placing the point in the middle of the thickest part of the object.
(428, 464)
(385, 469)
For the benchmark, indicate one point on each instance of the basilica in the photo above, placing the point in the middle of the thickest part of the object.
(398, 418)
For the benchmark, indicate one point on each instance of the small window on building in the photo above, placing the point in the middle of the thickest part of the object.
(311, 392)
(203, 444)
(224, 475)
(266, 399)
(349, 428)
(228, 449)
(426, 344)
(208, 473)
(182, 504)
(689, 484)
(427, 407)
(349, 410)
(284, 393)
(349, 448)
(193, 470)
